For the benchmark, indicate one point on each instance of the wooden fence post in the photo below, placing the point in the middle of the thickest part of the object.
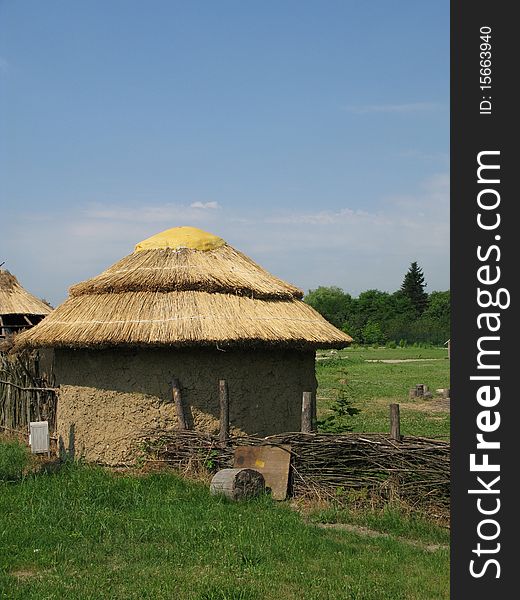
(28, 408)
(307, 412)
(314, 415)
(224, 410)
(179, 409)
(395, 423)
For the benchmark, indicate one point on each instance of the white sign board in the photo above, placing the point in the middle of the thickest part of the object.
(39, 437)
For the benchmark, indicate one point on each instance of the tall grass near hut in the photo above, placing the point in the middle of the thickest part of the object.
(14, 460)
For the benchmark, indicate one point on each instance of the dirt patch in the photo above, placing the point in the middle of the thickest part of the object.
(434, 405)
(23, 574)
(392, 361)
(366, 532)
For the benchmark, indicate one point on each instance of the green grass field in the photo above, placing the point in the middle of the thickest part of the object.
(86, 533)
(372, 386)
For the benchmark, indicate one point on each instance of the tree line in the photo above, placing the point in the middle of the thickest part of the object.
(406, 316)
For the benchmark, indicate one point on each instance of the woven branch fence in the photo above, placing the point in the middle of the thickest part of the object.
(416, 470)
(24, 394)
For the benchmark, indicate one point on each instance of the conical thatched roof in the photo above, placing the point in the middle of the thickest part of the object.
(184, 287)
(14, 300)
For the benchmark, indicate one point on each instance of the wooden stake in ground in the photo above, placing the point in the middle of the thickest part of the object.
(179, 408)
(395, 422)
(307, 412)
(224, 410)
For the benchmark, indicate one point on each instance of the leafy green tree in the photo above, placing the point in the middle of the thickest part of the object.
(439, 308)
(373, 334)
(434, 324)
(413, 288)
(331, 302)
(376, 317)
(374, 305)
(370, 306)
(402, 306)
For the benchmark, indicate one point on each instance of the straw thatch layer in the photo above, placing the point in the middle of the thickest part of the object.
(14, 300)
(179, 296)
(186, 318)
(223, 270)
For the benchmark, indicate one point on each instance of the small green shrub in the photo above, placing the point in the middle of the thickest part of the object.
(14, 460)
(211, 462)
(342, 410)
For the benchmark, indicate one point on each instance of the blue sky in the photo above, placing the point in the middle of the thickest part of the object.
(313, 136)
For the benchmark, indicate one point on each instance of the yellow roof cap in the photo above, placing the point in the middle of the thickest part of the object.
(181, 237)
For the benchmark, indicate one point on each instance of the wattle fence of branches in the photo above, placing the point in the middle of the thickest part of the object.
(25, 393)
(415, 469)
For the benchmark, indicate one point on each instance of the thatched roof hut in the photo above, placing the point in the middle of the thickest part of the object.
(181, 288)
(19, 309)
(184, 304)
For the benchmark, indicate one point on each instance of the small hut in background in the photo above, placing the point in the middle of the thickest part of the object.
(186, 306)
(19, 309)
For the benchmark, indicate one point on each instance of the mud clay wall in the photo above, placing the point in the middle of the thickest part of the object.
(109, 399)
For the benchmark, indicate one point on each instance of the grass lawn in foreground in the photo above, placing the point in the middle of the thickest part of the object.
(86, 533)
(372, 386)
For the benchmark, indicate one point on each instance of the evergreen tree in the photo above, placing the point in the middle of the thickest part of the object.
(413, 288)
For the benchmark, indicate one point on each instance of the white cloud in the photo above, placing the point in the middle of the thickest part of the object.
(353, 247)
(396, 212)
(168, 214)
(324, 217)
(205, 205)
(358, 249)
